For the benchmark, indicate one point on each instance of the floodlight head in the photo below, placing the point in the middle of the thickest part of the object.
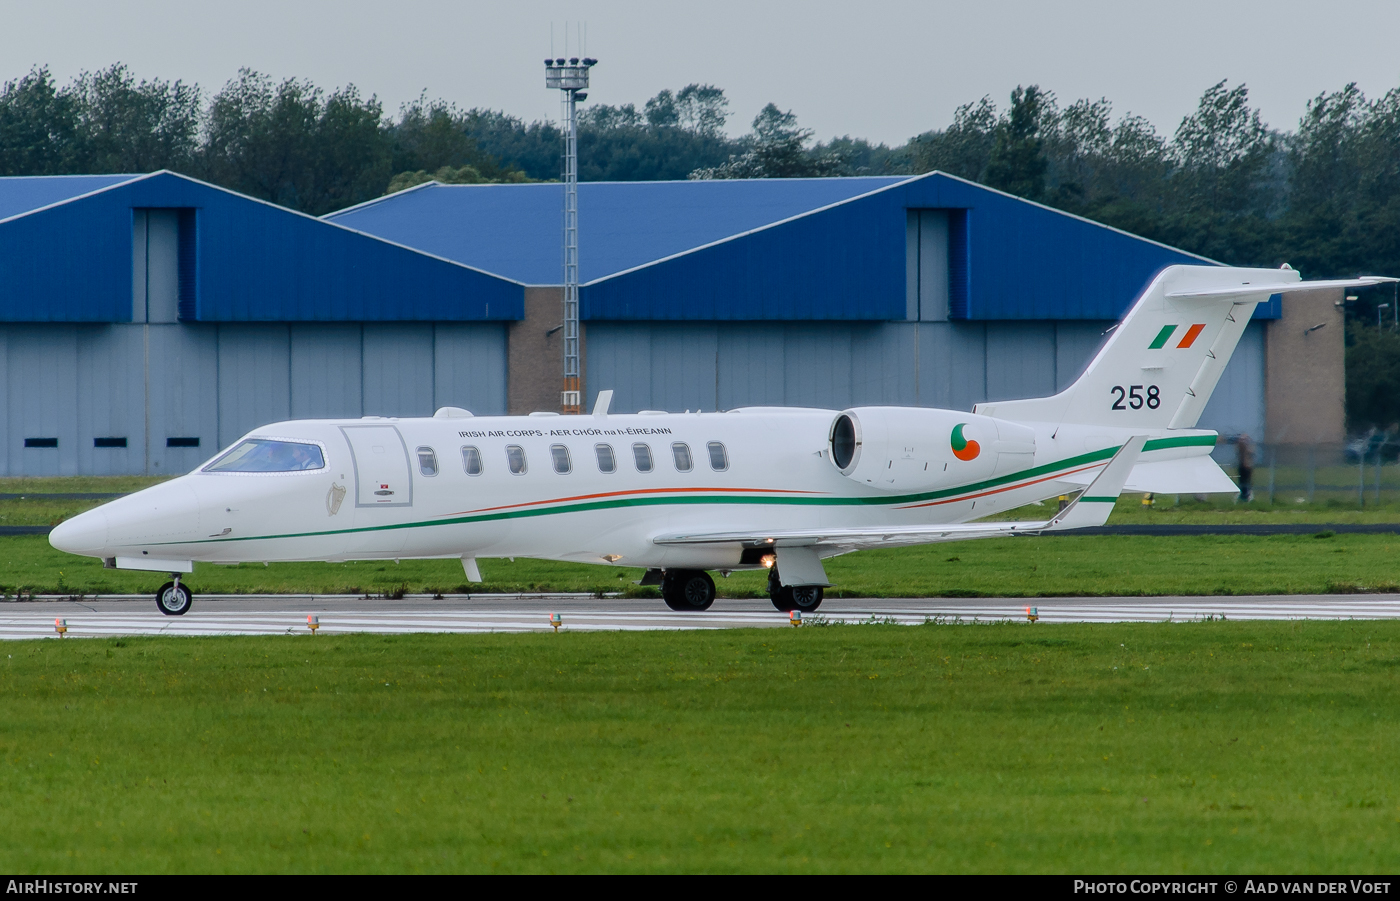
(559, 61)
(573, 61)
(580, 96)
(549, 62)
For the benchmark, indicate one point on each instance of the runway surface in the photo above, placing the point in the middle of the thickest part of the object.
(287, 614)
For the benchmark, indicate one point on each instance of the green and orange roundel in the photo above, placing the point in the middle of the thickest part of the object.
(964, 448)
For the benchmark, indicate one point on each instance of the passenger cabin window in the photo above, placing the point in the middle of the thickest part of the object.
(681, 452)
(606, 461)
(719, 460)
(642, 454)
(471, 460)
(266, 455)
(562, 464)
(427, 461)
(515, 459)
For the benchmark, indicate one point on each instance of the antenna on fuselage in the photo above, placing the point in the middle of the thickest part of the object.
(601, 403)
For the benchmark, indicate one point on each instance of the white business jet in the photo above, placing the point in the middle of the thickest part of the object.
(682, 493)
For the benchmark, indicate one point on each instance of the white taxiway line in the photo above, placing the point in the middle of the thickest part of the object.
(587, 615)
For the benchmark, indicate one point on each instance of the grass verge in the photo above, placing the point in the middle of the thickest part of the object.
(1202, 747)
(1088, 565)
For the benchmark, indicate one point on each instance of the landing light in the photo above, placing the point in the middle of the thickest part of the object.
(768, 560)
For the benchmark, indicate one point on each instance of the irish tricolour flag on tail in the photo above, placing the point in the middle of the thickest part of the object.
(1168, 330)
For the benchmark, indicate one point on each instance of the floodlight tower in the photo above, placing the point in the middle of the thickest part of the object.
(571, 77)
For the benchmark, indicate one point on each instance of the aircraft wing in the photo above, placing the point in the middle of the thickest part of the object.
(1091, 508)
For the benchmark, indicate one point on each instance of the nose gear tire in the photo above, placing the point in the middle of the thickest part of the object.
(173, 599)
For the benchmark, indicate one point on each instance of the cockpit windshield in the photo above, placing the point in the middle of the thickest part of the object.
(266, 455)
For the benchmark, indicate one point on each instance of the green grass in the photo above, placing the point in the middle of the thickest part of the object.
(1203, 747)
(1004, 567)
(1076, 565)
(76, 484)
(1224, 510)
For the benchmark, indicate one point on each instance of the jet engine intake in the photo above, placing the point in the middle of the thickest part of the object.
(919, 449)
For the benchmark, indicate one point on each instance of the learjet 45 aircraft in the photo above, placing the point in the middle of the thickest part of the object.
(680, 494)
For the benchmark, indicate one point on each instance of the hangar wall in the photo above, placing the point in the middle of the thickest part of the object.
(680, 366)
(163, 398)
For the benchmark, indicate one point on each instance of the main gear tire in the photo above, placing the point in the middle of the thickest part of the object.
(787, 598)
(687, 590)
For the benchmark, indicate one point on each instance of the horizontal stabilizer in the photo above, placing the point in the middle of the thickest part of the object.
(1192, 475)
(1246, 289)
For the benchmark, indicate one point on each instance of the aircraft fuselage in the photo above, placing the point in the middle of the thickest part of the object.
(544, 486)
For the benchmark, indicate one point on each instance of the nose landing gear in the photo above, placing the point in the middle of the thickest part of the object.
(173, 599)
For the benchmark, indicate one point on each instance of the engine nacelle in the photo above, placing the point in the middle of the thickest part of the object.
(918, 449)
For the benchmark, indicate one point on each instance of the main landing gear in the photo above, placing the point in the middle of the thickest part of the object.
(805, 598)
(689, 590)
(173, 599)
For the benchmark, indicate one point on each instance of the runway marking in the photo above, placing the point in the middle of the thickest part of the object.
(37, 621)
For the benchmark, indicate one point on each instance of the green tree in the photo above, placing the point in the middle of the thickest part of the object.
(777, 148)
(1017, 162)
(292, 145)
(963, 148)
(702, 109)
(1373, 376)
(128, 126)
(38, 126)
(1224, 192)
(430, 143)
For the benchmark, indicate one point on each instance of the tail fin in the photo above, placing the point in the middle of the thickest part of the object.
(1162, 362)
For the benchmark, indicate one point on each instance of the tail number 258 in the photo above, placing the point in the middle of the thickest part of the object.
(1135, 398)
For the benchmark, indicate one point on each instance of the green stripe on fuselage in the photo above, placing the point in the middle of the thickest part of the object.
(615, 503)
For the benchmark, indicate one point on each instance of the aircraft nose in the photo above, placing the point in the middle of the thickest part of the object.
(85, 534)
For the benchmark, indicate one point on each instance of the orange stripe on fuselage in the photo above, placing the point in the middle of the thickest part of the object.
(969, 497)
(1190, 337)
(589, 497)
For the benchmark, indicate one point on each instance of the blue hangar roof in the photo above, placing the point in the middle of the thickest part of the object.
(515, 230)
(66, 255)
(796, 249)
(25, 195)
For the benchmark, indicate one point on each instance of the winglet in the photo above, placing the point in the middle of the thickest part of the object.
(1095, 503)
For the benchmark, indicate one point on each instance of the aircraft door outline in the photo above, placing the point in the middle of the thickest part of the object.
(379, 456)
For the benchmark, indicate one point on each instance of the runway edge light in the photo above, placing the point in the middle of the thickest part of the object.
(60, 626)
(313, 622)
(556, 621)
(795, 617)
(1032, 614)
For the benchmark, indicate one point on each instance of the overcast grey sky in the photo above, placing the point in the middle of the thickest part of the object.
(868, 68)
